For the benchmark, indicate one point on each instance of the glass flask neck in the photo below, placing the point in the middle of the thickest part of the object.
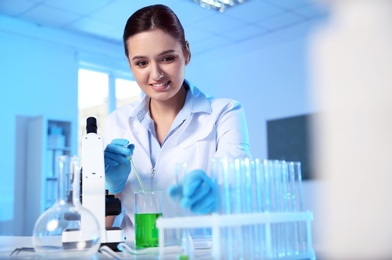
(68, 180)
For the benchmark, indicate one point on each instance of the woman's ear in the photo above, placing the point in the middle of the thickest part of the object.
(187, 53)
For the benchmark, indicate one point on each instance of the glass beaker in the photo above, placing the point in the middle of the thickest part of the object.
(148, 208)
(67, 229)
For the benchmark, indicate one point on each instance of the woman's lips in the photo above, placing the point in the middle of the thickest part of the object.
(160, 86)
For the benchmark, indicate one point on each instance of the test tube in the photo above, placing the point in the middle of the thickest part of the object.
(248, 230)
(258, 189)
(293, 206)
(223, 170)
(267, 176)
(291, 230)
(238, 209)
(259, 207)
(279, 207)
(183, 235)
(296, 175)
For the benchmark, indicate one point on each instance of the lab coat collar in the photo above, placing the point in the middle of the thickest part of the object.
(200, 102)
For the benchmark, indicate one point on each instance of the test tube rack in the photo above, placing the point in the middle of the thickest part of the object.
(267, 221)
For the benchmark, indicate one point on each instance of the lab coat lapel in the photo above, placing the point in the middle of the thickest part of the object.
(140, 135)
(198, 128)
(175, 139)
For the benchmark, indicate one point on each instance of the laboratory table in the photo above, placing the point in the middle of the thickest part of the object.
(20, 247)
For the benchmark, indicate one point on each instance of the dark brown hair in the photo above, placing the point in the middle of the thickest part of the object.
(156, 17)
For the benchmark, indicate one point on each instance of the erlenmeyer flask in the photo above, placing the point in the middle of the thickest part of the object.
(67, 229)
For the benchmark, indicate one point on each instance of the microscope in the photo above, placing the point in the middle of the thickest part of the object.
(93, 195)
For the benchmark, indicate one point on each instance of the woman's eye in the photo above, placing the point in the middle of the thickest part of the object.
(141, 63)
(168, 59)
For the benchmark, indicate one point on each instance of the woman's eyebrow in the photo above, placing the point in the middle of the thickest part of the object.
(138, 57)
(166, 52)
(160, 54)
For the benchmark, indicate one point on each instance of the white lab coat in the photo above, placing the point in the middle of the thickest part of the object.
(216, 128)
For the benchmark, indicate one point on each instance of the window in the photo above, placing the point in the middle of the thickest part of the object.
(126, 92)
(99, 93)
(93, 89)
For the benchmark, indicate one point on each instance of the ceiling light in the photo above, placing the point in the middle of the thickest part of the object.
(219, 5)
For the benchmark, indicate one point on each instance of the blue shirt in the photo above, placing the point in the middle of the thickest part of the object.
(148, 123)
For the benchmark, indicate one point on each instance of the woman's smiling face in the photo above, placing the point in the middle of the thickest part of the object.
(158, 62)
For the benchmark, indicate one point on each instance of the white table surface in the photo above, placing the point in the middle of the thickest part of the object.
(9, 243)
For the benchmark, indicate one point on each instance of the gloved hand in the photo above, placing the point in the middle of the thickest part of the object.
(197, 192)
(117, 164)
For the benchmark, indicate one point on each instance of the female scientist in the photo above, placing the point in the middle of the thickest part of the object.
(173, 123)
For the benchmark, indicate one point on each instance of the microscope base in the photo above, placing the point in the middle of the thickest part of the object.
(114, 236)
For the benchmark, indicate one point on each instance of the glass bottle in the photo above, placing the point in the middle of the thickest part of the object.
(67, 229)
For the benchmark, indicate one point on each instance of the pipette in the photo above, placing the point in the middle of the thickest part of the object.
(136, 173)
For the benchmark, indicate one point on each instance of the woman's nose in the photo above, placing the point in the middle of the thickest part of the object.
(156, 73)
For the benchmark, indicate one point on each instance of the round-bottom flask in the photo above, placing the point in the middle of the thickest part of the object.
(67, 229)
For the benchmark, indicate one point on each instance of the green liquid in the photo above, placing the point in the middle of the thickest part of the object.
(146, 231)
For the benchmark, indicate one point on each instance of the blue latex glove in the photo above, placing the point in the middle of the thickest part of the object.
(197, 192)
(117, 164)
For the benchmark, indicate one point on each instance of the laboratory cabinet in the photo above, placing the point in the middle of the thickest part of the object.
(46, 139)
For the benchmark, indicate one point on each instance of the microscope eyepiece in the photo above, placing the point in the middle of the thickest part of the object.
(91, 126)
